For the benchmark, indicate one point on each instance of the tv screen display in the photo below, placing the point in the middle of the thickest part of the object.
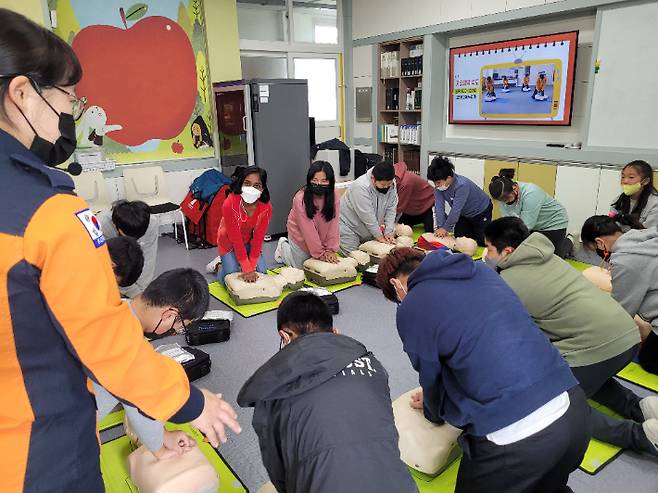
(525, 81)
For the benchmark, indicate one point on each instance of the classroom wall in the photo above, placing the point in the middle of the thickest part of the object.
(223, 40)
(32, 9)
(373, 17)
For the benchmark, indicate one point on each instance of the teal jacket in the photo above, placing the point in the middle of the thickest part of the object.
(584, 323)
(538, 210)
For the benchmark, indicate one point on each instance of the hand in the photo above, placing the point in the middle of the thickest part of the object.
(441, 233)
(249, 276)
(390, 239)
(417, 400)
(175, 443)
(329, 257)
(215, 415)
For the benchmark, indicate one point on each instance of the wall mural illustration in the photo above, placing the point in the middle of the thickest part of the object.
(145, 77)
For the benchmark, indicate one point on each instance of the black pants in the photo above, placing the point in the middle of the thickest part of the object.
(559, 239)
(599, 383)
(649, 354)
(426, 219)
(473, 227)
(540, 463)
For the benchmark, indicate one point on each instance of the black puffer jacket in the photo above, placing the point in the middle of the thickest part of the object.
(324, 420)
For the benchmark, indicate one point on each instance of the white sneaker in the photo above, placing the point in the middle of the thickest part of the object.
(649, 406)
(278, 258)
(650, 427)
(213, 265)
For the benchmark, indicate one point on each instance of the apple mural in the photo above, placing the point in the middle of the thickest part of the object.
(144, 77)
(177, 147)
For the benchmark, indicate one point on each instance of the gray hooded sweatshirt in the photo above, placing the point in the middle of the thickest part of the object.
(363, 210)
(634, 263)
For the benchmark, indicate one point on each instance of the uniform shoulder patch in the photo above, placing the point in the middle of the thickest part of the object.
(93, 227)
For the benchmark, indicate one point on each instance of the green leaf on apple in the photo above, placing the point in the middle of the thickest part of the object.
(136, 12)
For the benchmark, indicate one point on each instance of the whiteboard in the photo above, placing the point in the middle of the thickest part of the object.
(625, 97)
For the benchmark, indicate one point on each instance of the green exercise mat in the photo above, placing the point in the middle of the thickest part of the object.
(634, 373)
(443, 483)
(599, 454)
(220, 292)
(114, 464)
(332, 289)
(581, 266)
(418, 230)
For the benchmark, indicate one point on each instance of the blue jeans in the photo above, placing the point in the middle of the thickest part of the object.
(230, 265)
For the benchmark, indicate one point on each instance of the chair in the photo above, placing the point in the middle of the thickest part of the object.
(91, 187)
(149, 185)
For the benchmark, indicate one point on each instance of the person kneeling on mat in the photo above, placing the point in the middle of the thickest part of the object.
(485, 367)
(313, 220)
(415, 198)
(368, 208)
(593, 333)
(170, 302)
(323, 411)
(538, 210)
(246, 214)
(633, 258)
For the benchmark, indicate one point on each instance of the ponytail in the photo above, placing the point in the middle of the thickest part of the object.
(598, 226)
(502, 184)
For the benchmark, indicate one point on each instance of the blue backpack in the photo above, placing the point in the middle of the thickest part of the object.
(205, 186)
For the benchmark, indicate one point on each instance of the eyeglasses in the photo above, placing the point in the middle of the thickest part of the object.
(172, 330)
(78, 104)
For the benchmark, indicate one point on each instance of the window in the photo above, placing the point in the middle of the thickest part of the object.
(264, 67)
(322, 86)
(263, 20)
(315, 21)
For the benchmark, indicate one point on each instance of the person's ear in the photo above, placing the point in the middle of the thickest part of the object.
(508, 250)
(600, 244)
(644, 182)
(284, 336)
(19, 90)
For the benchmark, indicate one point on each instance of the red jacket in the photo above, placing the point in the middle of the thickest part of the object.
(415, 195)
(237, 230)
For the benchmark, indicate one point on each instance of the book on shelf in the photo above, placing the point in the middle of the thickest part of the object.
(388, 133)
(392, 98)
(410, 134)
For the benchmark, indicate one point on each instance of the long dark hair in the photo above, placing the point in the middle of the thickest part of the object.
(623, 202)
(597, 226)
(35, 52)
(240, 175)
(502, 184)
(329, 207)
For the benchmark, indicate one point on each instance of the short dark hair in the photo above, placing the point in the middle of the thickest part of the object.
(440, 168)
(132, 218)
(403, 260)
(35, 52)
(502, 183)
(241, 174)
(184, 289)
(383, 171)
(597, 226)
(506, 232)
(304, 313)
(128, 259)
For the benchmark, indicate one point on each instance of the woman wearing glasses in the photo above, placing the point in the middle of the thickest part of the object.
(61, 318)
(246, 214)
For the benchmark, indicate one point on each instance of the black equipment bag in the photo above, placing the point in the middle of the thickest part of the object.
(369, 275)
(329, 298)
(208, 332)
(199, 366)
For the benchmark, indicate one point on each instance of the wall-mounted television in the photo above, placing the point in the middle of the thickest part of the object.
(526, 81)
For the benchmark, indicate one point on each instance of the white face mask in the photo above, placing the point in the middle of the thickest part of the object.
(250, 194)
(442, 189)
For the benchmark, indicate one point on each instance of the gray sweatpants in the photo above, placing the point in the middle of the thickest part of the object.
(292, 255)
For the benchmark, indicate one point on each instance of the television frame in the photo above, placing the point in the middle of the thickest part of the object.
(571, 36)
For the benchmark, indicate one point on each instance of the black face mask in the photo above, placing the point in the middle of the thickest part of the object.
(383, 190)
(516, 197)
(319, 189)
(604, 254)
(54, 154)
(152, 336)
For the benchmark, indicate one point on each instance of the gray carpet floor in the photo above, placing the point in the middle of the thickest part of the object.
(368, 317)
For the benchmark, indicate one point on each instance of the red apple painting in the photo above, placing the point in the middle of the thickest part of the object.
(177, 148)
(144, 77)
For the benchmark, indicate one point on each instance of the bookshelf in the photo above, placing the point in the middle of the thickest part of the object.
(399, 99)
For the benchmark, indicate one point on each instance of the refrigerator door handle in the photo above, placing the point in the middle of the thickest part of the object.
(244, 123)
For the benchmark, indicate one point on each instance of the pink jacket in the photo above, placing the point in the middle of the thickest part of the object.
(314, 236)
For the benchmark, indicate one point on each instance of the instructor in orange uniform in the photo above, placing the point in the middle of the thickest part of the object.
(61, 319)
